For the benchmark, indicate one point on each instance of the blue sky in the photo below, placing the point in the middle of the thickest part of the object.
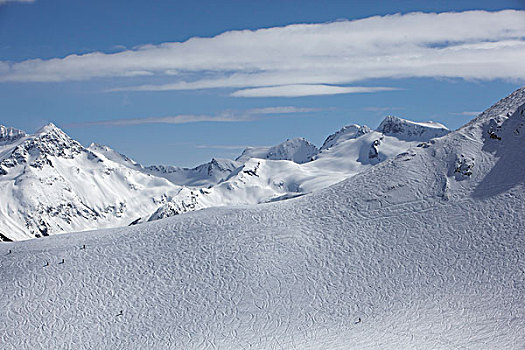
(141, 83)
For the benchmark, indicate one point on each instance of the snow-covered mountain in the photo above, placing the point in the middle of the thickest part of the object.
(422, 251)
(207, 174)
(268, 176)
(346, 133)
(408, 130)
(8, 135)
(298, 150)
(50, 183)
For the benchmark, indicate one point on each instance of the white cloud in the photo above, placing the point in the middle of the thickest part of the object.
(174, 119)
(468, 45)
(305, 90)
(227, 116)
(382, 109)
(230, 147)
(468, 114)
(283, 110)
(6, 1)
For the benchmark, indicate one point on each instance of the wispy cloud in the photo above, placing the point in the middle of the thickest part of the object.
(227, 116)
(315, 58)
(283, 110)
(305, 90)
(2, 2)
(174, 119)
(231, 147)
(469, 114)
(382, 109)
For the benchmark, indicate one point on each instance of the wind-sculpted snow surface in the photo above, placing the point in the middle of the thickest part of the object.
(402, 256)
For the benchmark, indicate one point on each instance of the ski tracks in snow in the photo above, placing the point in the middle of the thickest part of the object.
(285, 276)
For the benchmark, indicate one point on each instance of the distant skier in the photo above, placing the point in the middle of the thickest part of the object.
(83, 246)
(358, 320)
(120, 313)
(46, 264)
(9, 252)
(61, 261)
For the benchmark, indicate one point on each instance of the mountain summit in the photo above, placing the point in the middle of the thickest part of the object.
(10, 134)
(346, 133)
(298, 150)
(409, 130)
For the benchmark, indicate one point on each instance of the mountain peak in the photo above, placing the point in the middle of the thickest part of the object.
(48, 127)
(298, 150)
(409, 130)
(345, 133)
(51, 129)
(50, 140)
(217, 167)
(94, 145)
(8, 134)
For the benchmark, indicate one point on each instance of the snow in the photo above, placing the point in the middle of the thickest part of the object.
(114, 156)
(400, 256)
(50, 128)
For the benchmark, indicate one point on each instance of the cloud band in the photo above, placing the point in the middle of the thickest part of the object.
(280, 61)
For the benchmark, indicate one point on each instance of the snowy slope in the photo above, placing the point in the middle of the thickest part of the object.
(423, 251)
(50, 183)
(298, 150)
(114, 156)
(349, 151)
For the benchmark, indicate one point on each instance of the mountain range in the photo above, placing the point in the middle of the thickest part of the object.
(50, 183)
